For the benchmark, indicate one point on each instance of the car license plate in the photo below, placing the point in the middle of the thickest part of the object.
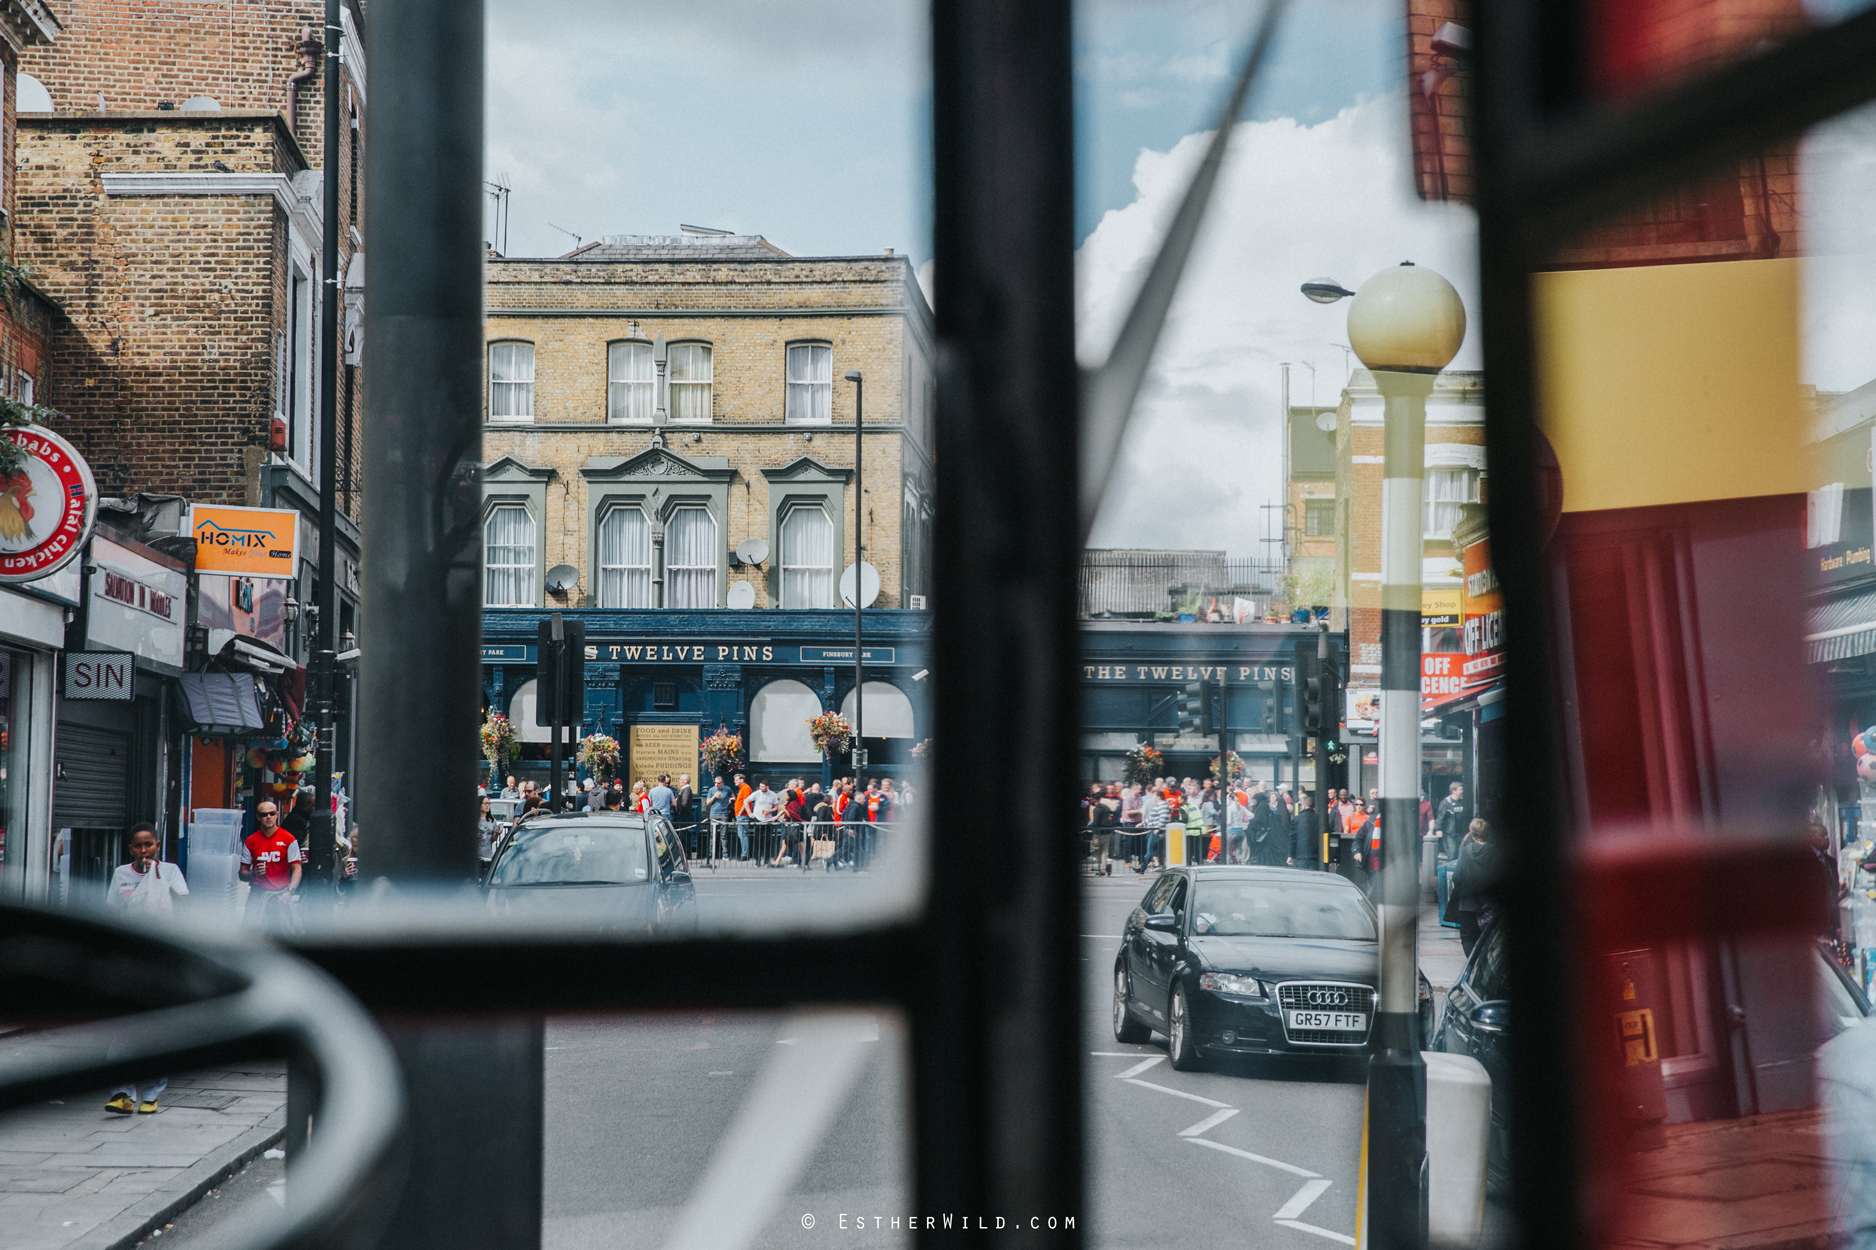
(1334, 1021)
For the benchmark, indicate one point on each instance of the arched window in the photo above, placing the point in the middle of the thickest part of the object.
(508, 557)
(778, 724)
(888, 711)
(511, 381)
(810, 383)
(807, 558)
(625, 559)
(690, 559)
(629, 382)
(521, 714)
(689, 381)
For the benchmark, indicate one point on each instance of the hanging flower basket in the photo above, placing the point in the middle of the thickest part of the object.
(722, 750)
(1144, 763)
(830, 732)
(922, 750)
(498, 739)
(1236, 765)
(599, 753)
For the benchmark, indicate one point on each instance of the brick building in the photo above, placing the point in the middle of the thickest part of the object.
(652, 402)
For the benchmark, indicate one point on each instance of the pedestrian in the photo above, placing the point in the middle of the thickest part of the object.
(681, 805)
(1132, 812)
(615, 799)
(719, 807)
(146, 886)
(661, 796)
(270, 864)
(1267, 833)
(1306, 835)
(510, 791)
(1158, 814)
(296, 818)
(1103, 818)
(1469, 901)
(1450, 820)
(1368, 850)
(486, 833)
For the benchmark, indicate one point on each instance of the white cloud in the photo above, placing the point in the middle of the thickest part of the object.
(1294, 202)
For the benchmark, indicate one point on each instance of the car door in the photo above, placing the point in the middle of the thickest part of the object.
(676, 894)
(1157, 949)
(1486, 980)
(1137, 950)
(1168, 949)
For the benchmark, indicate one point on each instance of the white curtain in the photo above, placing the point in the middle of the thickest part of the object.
(778, 724)
(508, 553)
(888, 711)
(690, 559)
(690, 381)
(1446, 489)
(807, 559)
(625, 560)
(511, 380)
(629, 382)
(811, 383)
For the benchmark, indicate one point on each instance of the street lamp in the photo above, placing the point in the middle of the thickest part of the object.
(859, 582)
(1406, 325)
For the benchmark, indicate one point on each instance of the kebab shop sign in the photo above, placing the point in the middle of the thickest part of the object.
(48, 502)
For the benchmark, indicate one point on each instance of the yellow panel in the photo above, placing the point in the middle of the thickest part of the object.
(1671, 383)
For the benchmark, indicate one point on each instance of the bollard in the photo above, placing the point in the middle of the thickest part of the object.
(1459, 1129)
(1429, 865)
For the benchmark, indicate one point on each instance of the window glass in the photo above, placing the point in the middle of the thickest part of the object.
(586, 852)
(1319, 518)
(16, 673)
(888, 713)
(778, 723)
(1281, 909)
(811, 383)
(690, 562)
(1446, 490)
(1155, 901)
(629, 382)
(807, 558)
(689, 373)
(511, 381)
(625, 559)
(508, 550)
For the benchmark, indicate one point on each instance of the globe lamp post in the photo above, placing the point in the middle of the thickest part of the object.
(1406, 324)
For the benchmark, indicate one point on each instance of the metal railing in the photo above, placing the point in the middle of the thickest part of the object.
(830, 846)
(1145, 583)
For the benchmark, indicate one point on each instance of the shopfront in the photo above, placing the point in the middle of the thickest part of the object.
(32, 636)
(660, 682)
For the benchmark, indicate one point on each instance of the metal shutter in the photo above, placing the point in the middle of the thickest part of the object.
(91, 786)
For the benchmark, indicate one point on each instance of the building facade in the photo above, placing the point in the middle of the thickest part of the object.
(654, 403)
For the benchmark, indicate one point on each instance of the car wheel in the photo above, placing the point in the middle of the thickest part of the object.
(1180, 1046)
(1126, 1028)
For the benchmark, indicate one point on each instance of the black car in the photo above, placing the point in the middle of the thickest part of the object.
(1250, 961)
(614, 871)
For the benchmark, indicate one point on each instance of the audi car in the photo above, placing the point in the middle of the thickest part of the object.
(614, 871)
(1250, 961)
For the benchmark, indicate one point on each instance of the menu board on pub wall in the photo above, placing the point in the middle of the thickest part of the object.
(1484, 617)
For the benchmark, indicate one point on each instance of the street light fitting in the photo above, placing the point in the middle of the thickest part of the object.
(1407, 319)
(853, 375)
(1325, 290)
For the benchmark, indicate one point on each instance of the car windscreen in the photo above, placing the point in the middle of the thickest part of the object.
(1299, 909)
(583, 852)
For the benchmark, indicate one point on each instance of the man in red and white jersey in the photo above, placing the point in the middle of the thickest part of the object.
(270, 863)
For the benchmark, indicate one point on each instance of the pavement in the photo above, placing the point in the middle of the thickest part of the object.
(74, 1176)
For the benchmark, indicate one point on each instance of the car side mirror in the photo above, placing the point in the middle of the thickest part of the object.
(1165, 922)
(680, 877)
(1491, 1017)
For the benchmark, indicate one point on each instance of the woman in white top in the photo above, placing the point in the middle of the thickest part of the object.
(145, 886)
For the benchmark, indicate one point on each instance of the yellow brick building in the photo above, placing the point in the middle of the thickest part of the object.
(651, 402)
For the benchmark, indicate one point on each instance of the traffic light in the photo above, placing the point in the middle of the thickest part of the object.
(560, 673)
(1309, 671)
(1195, 708)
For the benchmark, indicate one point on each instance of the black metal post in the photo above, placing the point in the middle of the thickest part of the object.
(550, 682)
(321, 844)
(859, 579)
(997, 1041)
(1321, 729)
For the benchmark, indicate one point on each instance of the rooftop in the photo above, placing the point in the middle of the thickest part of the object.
(686, 246)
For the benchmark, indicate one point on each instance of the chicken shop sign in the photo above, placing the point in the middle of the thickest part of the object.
(48, 502)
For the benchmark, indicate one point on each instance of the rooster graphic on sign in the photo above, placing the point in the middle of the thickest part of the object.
(15, 512)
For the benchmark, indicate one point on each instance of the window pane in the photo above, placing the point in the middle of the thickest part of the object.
(690, 559)
(807, 559)
(625, 560)
(511, 379)
(810, 382)
(508, 551)
(630, 384)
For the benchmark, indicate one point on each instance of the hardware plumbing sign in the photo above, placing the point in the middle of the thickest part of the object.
(245, 542)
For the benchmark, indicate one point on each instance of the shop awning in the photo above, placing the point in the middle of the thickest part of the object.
(222, 704)
(1840, 628)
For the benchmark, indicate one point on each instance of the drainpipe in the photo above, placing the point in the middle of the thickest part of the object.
(309, 48)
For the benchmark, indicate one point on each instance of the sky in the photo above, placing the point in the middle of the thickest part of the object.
(809, 124)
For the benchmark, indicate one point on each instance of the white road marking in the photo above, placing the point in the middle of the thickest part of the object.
(1210, 1122)
(1245, 1154)
(1180, 1093)
(1301, 1227)
(1116, 1054)
(1140, 1067)
(1299, 1202)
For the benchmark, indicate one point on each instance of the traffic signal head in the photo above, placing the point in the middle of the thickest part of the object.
(1195, 708)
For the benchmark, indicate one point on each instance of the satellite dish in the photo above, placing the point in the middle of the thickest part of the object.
(1325, 421)
(742, 595)
(869, 585)
(752, 550)
(562, 578)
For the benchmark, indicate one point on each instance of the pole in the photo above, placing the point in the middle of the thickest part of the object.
(320, 833)
(553, 671)
(1224, 769)
(1396, 1073)
(859, 567)
(1322, 741)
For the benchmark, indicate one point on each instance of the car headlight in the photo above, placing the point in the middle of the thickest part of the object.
(1232, 983)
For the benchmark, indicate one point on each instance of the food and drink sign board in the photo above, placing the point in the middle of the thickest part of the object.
(246, 542)
(47, 505)
(655, 749)
(1485, 619)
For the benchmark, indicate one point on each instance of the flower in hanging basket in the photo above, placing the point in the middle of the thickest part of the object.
(1236, 765)
(722, 750)
(830, 732)
(922, 750)
(498, 739)
(1144, 763)
(599, 753)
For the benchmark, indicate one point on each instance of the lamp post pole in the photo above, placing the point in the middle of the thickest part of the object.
(859, 594)
(1406, 324)
(322, 837)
